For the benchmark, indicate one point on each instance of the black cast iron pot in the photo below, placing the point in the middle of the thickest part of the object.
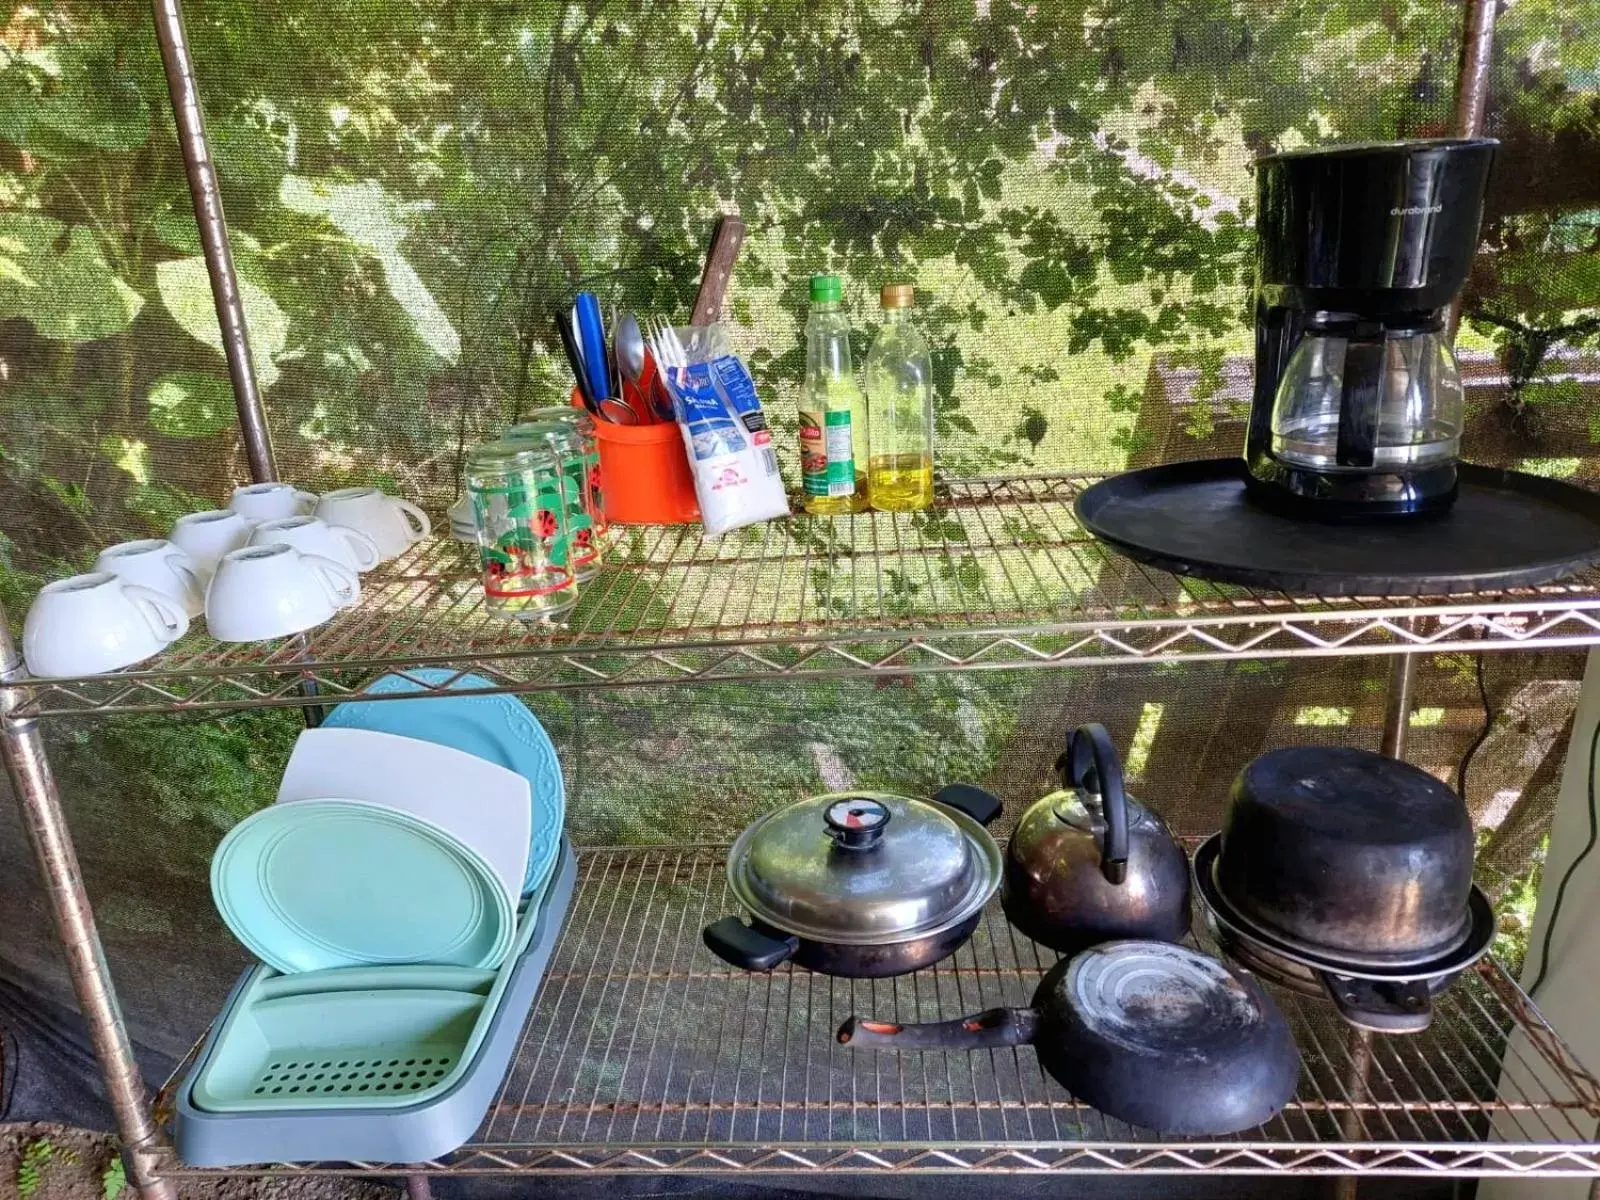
(1348, 854)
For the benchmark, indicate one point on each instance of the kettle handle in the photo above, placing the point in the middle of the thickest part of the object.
(1092, 764)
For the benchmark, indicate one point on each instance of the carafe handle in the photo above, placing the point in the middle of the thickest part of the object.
(1359, 402)
(1092, 765)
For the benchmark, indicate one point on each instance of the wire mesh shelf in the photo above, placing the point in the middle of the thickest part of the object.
(645, 1054)
(998, 574)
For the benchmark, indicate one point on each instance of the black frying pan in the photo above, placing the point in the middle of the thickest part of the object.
(1151, 1033)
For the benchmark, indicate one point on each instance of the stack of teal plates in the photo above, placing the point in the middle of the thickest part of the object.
(328, 883)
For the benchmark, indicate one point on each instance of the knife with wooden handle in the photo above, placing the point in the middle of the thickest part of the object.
(719, 266)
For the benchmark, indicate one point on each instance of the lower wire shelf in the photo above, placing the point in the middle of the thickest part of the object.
(644, 1054)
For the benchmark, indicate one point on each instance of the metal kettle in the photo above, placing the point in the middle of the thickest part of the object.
(1089, 865)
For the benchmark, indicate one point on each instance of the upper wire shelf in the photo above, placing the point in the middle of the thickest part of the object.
(999, 574)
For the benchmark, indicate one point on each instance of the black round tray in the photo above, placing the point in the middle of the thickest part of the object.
(1506, 529)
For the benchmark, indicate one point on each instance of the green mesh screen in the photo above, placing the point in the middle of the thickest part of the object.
(416, 188)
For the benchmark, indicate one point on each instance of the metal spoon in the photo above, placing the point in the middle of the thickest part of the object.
(630, 348)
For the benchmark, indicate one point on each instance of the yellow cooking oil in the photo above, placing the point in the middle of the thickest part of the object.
(832, 506)
(900, 482)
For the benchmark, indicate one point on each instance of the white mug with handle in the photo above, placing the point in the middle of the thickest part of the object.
(91, 624)
(264, 592)
(394, 524)
(269, 501)
(207, 536)
(157, 564)
(313, 535)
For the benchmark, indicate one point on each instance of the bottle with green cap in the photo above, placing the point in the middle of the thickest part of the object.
(833, 417)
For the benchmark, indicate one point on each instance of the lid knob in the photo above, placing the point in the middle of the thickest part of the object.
(856, 822)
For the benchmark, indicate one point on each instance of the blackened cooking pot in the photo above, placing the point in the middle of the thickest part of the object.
(1348, 854)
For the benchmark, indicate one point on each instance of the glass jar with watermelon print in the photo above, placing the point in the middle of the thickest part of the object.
(582, 471)
(519, 496)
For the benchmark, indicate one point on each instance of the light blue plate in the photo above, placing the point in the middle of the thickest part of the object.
(337, 883)
(497, 728)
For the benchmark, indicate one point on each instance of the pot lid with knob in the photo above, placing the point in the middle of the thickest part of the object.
(865, 867)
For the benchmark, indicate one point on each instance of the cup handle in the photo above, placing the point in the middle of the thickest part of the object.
(183, 567)
(308, 499)
(415, 516)
(338, 580)
(365, 550)
(166, 620)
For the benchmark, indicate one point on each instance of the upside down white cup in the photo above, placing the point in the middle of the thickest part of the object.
(90, 624)
(271, 501)
(394, 524)
(157, 564)
(207, 536)
(264, 592)
(312, 535)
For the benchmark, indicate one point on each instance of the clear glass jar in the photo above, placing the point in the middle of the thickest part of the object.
(1369, 403)
(899, 409)
(518, 497)
(584, 548)
(582, 424)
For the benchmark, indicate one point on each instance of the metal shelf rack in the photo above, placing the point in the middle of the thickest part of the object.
(998, 575)
(644, 1054)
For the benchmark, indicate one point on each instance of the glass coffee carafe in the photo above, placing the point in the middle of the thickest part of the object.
(1368, 398)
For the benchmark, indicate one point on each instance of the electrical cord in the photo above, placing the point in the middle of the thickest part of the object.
(1572, 867)
(1483, 733)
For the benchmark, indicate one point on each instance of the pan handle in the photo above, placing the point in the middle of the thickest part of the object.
(978, 804)
(1092, 765)
(988, 1030)
(736, 943)
(1401, 1007)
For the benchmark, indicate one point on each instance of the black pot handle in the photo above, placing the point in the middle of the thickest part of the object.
(991, 1029)
(978, 804)
(1093, 765)
(736, 943)
(1402, 1007)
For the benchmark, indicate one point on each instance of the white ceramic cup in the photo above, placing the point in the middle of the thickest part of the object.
(313, 535)
(264, 592)
(271, 501)
(207, 536)
(394, 524)
(90, 624)
(160, 566)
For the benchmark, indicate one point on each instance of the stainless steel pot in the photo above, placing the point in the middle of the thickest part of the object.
(862, 884)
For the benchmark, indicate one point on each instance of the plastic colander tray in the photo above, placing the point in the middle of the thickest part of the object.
(391, 1063)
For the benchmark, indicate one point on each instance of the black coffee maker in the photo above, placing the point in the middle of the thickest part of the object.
(1358, 406)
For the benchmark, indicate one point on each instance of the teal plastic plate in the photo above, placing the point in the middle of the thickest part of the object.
(357, 1037)
(336, 883)
(498, 728)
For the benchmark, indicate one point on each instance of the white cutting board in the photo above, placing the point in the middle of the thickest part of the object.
(479, 803)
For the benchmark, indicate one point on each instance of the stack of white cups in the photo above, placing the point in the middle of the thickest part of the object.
(277, 561)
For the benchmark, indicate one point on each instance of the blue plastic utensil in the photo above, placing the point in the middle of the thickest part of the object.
(334, 883)
(498, 728)
(404, 1123)
(592, 338)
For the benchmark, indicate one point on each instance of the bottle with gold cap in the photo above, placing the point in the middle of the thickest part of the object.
(899, 409)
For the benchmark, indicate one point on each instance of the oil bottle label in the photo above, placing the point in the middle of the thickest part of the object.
(827, 455)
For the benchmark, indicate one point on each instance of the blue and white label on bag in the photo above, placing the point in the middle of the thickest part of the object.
(712, 431)
(740, 390)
